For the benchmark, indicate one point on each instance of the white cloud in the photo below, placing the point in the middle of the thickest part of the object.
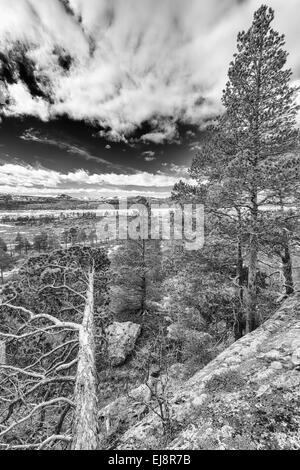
(135, 60)
(33, 135)
(23, 103)
(113, 136)
(22, 177)
(180, 171)
(88, 193)
(165, 131)
(149, 156)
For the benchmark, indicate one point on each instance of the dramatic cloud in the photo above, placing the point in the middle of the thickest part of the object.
(119, 64)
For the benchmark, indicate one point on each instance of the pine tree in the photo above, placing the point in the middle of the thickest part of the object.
(3, 245)
(136, 267)
(224, 204)
(260, 125)
(19, 242)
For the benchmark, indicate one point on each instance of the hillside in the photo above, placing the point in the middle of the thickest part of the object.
(246, 398)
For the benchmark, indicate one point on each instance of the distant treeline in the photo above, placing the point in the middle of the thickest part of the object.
(45, 219)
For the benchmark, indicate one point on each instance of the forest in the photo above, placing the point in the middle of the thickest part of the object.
(85, 323)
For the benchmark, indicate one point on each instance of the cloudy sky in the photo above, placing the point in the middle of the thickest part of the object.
(111, 97)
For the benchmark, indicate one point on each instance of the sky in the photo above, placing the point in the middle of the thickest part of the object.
(112, 97)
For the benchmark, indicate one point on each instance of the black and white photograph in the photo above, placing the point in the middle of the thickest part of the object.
(149, 228)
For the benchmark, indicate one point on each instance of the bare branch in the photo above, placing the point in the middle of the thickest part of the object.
(39, 331)
(63, 286)
(35, 409)
(39, 446)
(44, 316)
(22, 371)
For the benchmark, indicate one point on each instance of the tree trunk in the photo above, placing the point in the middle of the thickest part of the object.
(251, 297)
(143, 280)
(251, 294)
(287, 270)
(239, 326)
(85, 430)
(2, 353)
(286, 257)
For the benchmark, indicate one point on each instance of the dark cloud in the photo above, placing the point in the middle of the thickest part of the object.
(97, 75)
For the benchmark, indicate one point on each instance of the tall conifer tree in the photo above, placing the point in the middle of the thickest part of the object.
(260, 120)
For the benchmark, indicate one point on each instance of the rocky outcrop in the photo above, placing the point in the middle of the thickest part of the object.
(126, 410)
(246, 398)
(121, 339)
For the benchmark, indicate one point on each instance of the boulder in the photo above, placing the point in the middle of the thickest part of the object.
(121, 339)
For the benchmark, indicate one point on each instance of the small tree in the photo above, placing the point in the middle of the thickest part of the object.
(27, 245)
(82, 236)
(92, 237)
(137, 273)
(19, 243)
(73, 232)
(40, 242)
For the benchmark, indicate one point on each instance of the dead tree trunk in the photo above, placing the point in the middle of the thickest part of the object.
(143, 280)
(85, 431)
(2, 353)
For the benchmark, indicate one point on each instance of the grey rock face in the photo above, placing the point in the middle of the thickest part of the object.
(250, 386)
(121, 339)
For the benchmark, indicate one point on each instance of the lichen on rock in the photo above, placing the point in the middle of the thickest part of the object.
(248, 397)
(121, 339)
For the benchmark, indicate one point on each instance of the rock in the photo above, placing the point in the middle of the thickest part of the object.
(121, 339)
(255, 387)
(175, 332)
(226, 431)
(296, 357)
(276, 365)
(221, 326)
(263, 389)
(124, 411)
(198, 401)
(273, 355)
